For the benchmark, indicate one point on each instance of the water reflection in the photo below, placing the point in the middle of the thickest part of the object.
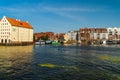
(14, 60)
(76, 63)
(59, 63)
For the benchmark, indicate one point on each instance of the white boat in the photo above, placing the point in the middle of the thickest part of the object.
(41, 42)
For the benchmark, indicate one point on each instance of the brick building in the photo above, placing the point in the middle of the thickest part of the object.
(49, 35)
(91, 34)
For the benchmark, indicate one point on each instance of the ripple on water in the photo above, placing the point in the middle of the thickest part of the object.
(59, 63)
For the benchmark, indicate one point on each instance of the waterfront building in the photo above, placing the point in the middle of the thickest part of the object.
(47, 35)
(15, 31)
(72, 35)
(100, 33)
(59, 37)
(85, 34)
(66, 38)
(113, 34)
(93, 34)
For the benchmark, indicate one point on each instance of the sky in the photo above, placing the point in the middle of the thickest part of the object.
(61, 16)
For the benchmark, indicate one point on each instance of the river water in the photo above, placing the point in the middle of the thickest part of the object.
(59, 62)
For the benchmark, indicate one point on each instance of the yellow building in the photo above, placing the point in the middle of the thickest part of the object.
(15, 31)
(66, 38)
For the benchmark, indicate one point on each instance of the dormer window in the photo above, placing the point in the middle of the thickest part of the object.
(21, 23)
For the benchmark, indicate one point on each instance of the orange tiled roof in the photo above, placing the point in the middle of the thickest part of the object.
(19, 23)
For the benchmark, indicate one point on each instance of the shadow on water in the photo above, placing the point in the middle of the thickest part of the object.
(59, 63)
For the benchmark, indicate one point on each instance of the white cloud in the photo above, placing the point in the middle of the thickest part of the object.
(68, 12)
(42, 8)
(69, 9)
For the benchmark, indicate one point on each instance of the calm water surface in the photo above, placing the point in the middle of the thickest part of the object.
(59, 63)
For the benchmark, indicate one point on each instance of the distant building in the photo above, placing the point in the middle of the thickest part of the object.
(15, 31)
(49, 35)
(100, 34)
(66, 38)
(113, 34)
(72, 35)
(86, 34)
(91, 34)
(59, 37)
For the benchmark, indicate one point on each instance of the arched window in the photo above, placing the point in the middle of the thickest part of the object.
(1, 40)
(104, 36)
(98, 36)
(5, 40)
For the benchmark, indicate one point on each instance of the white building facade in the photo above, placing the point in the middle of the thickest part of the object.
(15, 31)
(113, 33)
(101, 36)
(72, 35)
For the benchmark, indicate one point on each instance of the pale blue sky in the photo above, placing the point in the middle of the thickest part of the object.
(63, 15)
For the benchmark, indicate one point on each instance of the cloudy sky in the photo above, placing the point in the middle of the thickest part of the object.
(63, 15)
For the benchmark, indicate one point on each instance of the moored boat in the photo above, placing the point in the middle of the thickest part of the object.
(55, 43)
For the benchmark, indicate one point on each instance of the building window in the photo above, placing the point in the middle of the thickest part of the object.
(98, 36)
(1, 40)
(104, 36)
(110, 32)
(21, 23)
(5, 40)
(115, 31)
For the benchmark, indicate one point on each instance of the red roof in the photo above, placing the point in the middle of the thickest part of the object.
(19, 23)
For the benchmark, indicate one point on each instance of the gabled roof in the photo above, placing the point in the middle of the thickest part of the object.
(19, 23)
